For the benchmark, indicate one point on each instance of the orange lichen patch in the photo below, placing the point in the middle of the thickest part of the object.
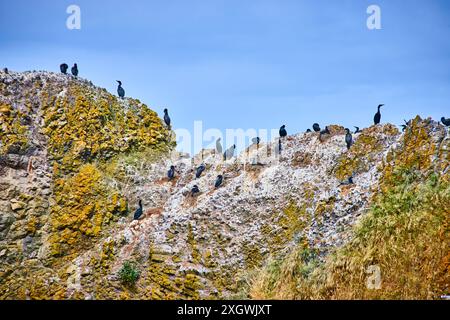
(13, 133)
(367, 146)
(82, 208)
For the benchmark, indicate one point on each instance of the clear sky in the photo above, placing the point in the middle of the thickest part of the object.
(246, 63)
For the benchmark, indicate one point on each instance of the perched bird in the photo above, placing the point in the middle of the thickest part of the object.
(75, 70)
(316, 127)
(200, 170)
(171, 173)
(377, 117)
(348, 139)
(256, 141)
(219, 146)
(308, 131)
(219, 181)
(323, 133)
(347, 182)
(194, 190)
(120, 90)
(445, 122)
(63, 67)
(139, 211)
(229, 153)
(166, 117)
(357, 130)
(283, 132)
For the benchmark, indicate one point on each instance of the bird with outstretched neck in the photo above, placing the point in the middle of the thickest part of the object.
(348, 138)
(74, 70)
(139, 211)
(377, 117)
(219, 149)
(120, 90)
(357, 130)
(167, 118)
(229, 153)
(219, 181)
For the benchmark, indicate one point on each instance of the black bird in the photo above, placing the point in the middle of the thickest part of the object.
(139, 211)
(171, 173)
(229, 153)
(347, 182)
(219, 181)
(219, 146)
(283, 132)
(166, 117)
(200, 170)
(404, 126)
(348, 138)
(308, 131)
(445, 122)
(75, 70)
(120, 90)
(63, 67)
(316, 127)
(5, 70)
(195, 190)
(357, 130)
(377, 117)
(323, 132)
(256, 141)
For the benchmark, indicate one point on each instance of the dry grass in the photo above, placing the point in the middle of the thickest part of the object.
(406, 234)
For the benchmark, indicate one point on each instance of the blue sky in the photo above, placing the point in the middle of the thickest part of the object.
(246, 64)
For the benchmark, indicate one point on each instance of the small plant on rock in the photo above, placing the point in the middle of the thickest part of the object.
(129, 273)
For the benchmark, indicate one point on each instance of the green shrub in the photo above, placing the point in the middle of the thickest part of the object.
(129, 273)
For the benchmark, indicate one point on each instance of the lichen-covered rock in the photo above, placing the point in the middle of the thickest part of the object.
(72, 182)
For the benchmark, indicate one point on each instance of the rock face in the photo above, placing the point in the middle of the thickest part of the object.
(71, 180)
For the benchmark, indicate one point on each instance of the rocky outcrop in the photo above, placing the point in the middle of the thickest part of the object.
(71, 181)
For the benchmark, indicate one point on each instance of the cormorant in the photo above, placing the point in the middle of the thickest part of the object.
(219, 146)
(75, 70)
(139, 211)
(166, 117)
(347, 182)
(200, 170)
(256, 141)
(63, 67)
(5, 70)
(229, 153)
(377, 117)
(316, 127)
(283, 132)
(308, 131)
(218, 181)
(445, 122)
(195, 190)
(348, 138)
(171, 173)
(120, 90)
(357, 130)
(323, 132)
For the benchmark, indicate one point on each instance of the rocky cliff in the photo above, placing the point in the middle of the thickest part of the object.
(75, 160)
